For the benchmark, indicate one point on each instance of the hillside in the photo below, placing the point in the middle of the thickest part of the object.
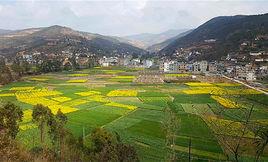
(4, 31)
(55, 39)
(157, 47)
(222, 35)
(149, 39)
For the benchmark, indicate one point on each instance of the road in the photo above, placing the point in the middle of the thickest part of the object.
(249, 86)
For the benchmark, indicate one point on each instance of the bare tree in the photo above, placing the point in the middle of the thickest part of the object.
(261, 142)
(233, 145)
(171, 125)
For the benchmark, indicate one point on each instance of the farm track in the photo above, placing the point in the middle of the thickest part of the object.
(249, 86)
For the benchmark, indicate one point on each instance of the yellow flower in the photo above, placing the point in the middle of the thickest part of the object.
(64, 109)
(75, 102)
(21, 88)
(130, 107)
(27, 116)
(225, 102)
(122, 93)
(61, 99)
(39, 79)
(88, 93)
(77, 81)
(227, 127)
(77, 75)
(124, 77)
(7, 94)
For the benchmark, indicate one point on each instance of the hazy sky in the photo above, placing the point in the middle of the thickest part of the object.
(122, 17)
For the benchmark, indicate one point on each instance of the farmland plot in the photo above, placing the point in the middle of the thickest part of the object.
(94, 98)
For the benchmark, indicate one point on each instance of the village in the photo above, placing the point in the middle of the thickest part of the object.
(250, 68)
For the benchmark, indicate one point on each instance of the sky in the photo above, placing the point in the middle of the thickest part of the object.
(121, 17)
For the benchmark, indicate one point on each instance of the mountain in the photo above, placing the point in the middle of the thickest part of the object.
(157, 47)
(4, 31)
(148, 39)
(55, 39)
(222, 35)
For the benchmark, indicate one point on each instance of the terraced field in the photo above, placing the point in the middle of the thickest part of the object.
(211, 114)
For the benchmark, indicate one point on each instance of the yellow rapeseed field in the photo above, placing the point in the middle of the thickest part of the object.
(124, 77)
(7, 94)
(130, 107)
(219, 91)
(98, 98)
(64, 109)
(77, 75)
(88, 93)
(61, 99)
(38, 100)
(39, 79)
(227, 127)
(36, 93)
(75, 102)
(204, 90)
(21, 88)
(122, 93)
(225, 102)
(198, 84)
(77, 81)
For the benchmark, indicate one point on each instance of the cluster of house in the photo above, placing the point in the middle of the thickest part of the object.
(125, 61)
(185, 67)
(245, 67)
(242, 71)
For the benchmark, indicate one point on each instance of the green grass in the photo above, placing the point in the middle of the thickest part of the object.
(70, 90)
(148, 128)
(194, 126)
(157, 101)
(89, 105)
(91, 118)
(184, 98)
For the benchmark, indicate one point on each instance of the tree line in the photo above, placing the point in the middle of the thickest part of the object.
(60, 145)
(19, 67)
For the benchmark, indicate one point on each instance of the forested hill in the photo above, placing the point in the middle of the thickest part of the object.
(227, 31)
(55, 39)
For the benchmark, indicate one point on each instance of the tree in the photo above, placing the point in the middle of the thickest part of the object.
(41, 115)
(17, 68)
(57, 131)
(261, 142)
(100, 138)
(126, 153)
(5, 74)
(10, 150)
(10, 115)
(26, 67)
(234, 145)
(108, 147)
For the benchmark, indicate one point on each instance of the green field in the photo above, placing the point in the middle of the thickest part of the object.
(108, 98)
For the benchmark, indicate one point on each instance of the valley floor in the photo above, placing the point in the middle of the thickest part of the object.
(212, 115)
